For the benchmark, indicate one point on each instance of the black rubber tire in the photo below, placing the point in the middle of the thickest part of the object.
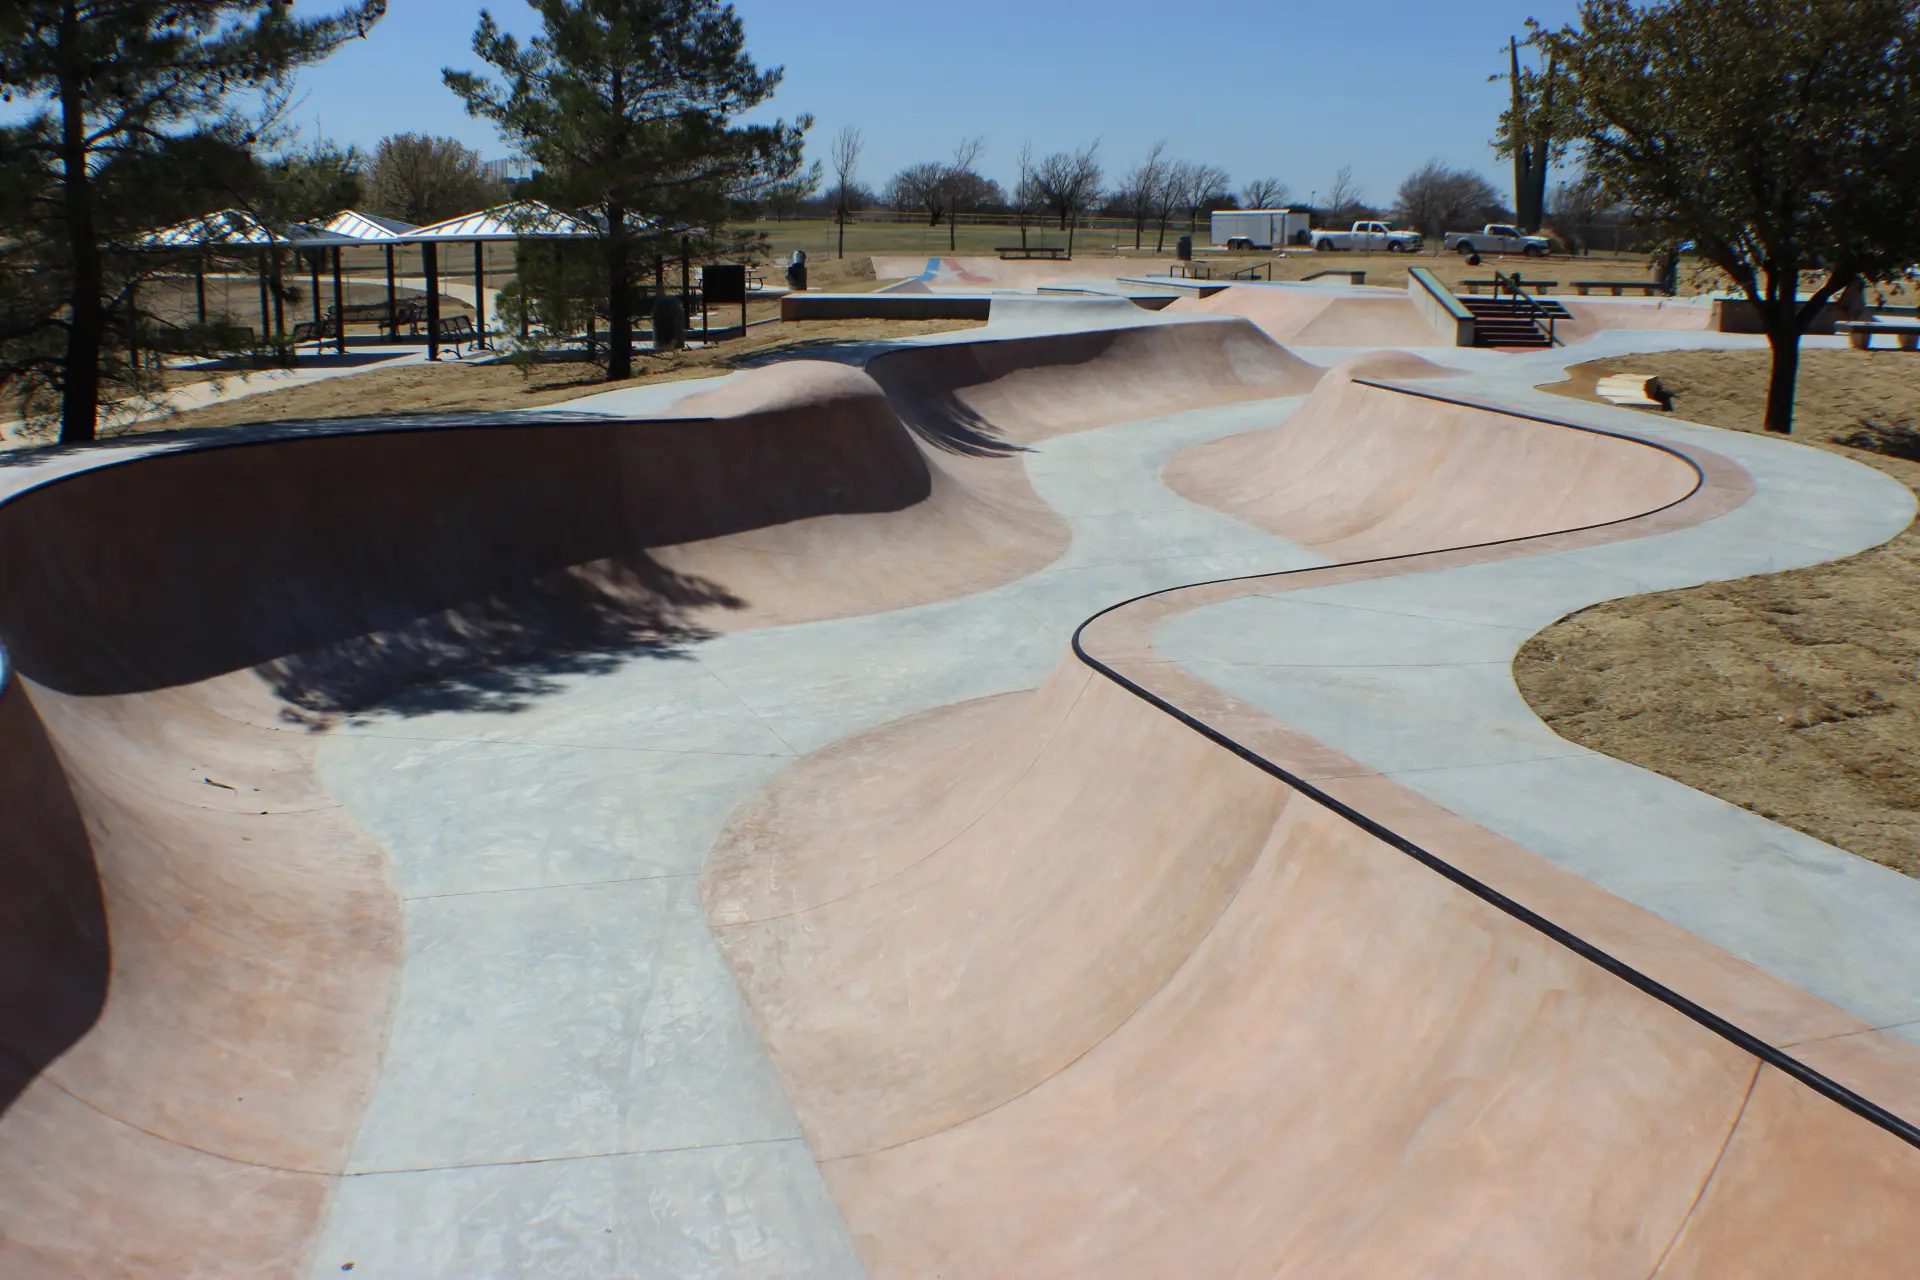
(1465, 247)
(1536, 251)
(1323, 246)
(1394, 246)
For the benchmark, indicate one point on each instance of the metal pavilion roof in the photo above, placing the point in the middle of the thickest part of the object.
(521, 220)
(366, 226)
(236, 228)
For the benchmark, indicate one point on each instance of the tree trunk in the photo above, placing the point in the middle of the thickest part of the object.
(1784, 378)
(1780, 316)
(843, 233)
(619, 297)
(86, 323)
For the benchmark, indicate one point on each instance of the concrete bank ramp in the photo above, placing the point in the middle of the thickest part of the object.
(1059, 986)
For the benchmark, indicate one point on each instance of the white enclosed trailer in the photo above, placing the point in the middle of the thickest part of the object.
(1258, 228)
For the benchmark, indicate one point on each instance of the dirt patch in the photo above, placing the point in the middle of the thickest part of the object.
(1795, 695)
(458, 385)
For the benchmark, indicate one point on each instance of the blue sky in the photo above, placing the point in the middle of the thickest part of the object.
(1260, 87)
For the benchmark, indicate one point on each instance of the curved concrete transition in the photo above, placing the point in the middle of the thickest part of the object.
(695, 834)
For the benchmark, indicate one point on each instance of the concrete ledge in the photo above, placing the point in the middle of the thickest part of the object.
(885, 306)
(1439, 308)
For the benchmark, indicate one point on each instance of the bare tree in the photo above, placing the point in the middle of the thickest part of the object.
(1345, 200)
(962, 185)
(920, 187)
(1177, 179)
(1575, 207)
(1069, 182)
(846, 166)
(1140, 190)
(1435, 197)
(1265, 193)
(1207, 186)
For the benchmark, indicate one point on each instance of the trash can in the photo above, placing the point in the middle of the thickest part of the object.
(797, 271)
(669, 324)
(1184, 248)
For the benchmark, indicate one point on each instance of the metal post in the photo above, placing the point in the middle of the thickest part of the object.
(339, 307)
(200, 284)
(430, 261)
(480, 292)
(266, 311)
(686, 275)
(393, 305)
(313, 271)
(133, 326)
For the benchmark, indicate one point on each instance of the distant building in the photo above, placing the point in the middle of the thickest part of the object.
(513, 169)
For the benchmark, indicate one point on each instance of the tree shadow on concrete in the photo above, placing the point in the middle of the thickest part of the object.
(502, 652)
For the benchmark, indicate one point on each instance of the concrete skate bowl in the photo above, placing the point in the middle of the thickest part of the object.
(1125, 978)
(201, 950)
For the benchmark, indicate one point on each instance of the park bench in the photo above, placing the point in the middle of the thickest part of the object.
(1053, 253)
(410, 314)
(458, 330)
(308, 331)
(1531, 286)
(1648, 287)
(1860, 333)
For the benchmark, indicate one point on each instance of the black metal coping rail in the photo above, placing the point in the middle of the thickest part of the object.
(1734, 1034)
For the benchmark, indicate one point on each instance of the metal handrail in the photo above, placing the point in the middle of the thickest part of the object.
(1535, 312)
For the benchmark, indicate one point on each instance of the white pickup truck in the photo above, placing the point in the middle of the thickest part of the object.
(1497, 237)
(1367, 237)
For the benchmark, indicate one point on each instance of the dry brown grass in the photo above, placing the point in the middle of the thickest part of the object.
(1795, 695)
(453, 385)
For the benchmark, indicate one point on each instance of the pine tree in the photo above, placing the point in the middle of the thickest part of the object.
(136, 126)
(625, 108)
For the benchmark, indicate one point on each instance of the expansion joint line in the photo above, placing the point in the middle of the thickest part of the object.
(1740, 1037)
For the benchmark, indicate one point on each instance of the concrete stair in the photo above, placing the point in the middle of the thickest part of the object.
(1506, 322)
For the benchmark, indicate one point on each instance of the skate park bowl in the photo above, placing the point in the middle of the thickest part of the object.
(940, 808)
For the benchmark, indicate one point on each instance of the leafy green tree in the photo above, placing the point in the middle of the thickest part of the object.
(132, 124)
(626, 109)
(1779, 136)
(422, 179)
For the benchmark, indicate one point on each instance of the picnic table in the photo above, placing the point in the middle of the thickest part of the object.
(1648, 287)
(1531, 286)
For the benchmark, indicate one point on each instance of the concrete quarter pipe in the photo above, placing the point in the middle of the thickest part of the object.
(857, 820)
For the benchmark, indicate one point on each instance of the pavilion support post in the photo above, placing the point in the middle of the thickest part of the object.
(339, 307)
(686, 276)
(520, 252)
(393, 302)
(313, 277)
(133, 327)
(480, 292)
(266, 308)
(430, 261)
(200, 284)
